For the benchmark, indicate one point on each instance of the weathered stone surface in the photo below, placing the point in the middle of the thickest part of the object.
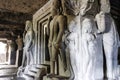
(8, 72)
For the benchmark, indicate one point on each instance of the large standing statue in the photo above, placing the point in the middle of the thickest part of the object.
(56, 27)
(28, 44)
(110, 43)
(106, 26)
(91, 49)
(19, 42)
(77, 11)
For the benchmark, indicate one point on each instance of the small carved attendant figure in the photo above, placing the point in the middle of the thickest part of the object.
(91, 47)
(19, 42)
(28, 42)
(57, 26)
(110, 43)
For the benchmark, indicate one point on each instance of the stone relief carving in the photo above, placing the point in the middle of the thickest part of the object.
(91, 48)
(20, 45)
(110, 43)
(19, 42)
(71, 7)
(77, 41)
(56, 27)
(28, 47)
(90, 33)
(28, 70)
(28, 44)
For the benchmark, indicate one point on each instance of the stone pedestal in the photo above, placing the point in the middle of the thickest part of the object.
(57, 77)
(33, 72)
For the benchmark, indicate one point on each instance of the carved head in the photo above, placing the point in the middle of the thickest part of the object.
(71, 7)
(28, 25)
(56, 7)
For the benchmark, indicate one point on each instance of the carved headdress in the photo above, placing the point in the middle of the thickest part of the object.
(71, 7)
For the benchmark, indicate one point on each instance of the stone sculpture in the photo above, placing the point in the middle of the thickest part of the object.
(110, 43)
(28, 55)
(57, 24)
(19, 42)
(28, 44)
(93, 7)
(91, 48)
(80, 11)
(71, 7)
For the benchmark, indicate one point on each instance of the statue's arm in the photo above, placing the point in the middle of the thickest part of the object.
(62, 25)
(24, 33)
(48, 26)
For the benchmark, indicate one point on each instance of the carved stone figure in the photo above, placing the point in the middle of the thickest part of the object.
(105, 26)
(71, 7)
(56, 27)
(91, 49)
(28, 44)
(19, 42)
(110, 43)
(93, 7)
(87, 8)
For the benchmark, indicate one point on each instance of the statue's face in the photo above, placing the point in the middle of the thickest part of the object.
(55, 8)
(54, 12)
(28, 25)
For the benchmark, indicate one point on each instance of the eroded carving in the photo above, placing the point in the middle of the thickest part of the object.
(57, 24)
(28, 44)
(19, 42)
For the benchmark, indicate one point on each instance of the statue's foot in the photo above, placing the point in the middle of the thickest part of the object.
(51, 75)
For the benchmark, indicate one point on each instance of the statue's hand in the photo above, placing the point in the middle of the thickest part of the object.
(50, 44)
(56, 45)
(90, 37)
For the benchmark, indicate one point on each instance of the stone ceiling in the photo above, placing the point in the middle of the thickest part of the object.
(23, 6)
(14, 13)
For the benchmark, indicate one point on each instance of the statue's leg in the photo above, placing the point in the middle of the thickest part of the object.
(115, 61)
(51, 61)
(73, 59)
(31, 58)
(23, 59)
(28, 60)
(108, 49)
(54, 55)
(52, 65)
(87, 57)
